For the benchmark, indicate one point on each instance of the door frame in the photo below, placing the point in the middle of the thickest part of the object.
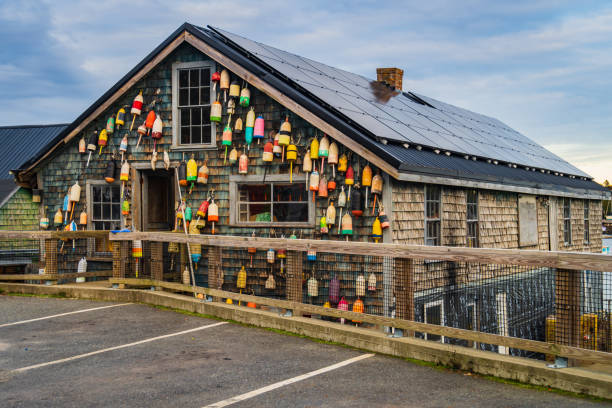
(137, 177)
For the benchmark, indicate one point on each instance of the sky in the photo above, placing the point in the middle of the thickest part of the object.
(541, 67)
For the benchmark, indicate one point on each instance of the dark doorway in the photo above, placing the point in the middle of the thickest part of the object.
(157, 200)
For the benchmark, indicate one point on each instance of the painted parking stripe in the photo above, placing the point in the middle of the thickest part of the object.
(61, 314)
(93, 353)
(289, 381)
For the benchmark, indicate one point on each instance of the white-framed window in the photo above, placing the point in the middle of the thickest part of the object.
(103, 211)
(192, 96)
(434, 314)
(472, 218)
(275, 202)
(587, 235)
(567, 221)
(433, 195)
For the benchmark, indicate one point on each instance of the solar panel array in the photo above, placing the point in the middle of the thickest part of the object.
(400, 117)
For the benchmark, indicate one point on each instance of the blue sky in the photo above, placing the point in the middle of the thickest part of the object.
(542, 67)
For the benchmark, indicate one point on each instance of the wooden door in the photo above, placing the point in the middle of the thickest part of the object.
(157, 200)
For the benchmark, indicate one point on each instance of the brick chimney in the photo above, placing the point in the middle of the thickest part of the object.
(391, 76)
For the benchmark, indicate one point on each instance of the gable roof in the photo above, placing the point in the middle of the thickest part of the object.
(406, 135)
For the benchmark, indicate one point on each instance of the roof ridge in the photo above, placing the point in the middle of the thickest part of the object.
(34, 126)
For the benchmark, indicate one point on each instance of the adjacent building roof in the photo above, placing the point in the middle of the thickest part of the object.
(412, 133)
(19, 144)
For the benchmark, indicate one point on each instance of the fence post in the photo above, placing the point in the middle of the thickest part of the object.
(567, 307)
(294, 278)
(157, 265)
(404, 290)
(51, 259)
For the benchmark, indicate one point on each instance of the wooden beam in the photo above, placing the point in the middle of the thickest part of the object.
(529, 258)
(35, 276)
(513, 342)
(291, 104)
(100, 109)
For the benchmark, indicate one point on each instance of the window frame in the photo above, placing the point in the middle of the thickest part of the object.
(432, 220)
(236, 179)
(176, 132)
(469, 220)
(567, 220)
(587, 215)
(91, 243)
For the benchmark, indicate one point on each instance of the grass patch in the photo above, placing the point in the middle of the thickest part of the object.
(60, 295)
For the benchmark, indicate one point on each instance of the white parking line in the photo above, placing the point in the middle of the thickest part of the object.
(61, 314)
(93, 353)
(280, 384)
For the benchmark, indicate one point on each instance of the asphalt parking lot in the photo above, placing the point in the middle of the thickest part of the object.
(75, 353)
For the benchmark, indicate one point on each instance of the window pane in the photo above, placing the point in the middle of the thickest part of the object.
(97, 197)
(204, 77)
(116, 212)
(291, 212)
(196, 116)
(183, 78)
(255, 192)
(204, 96)
(289, 192)
(97, 211)
(206, 134)
(194, 97)
(194, 77)
(106, 195)
(116, 194)
(205, 114)
(196, 134)
(185, 116)
(106, 211)
(185, 135)
(260, 212)
(183, 97)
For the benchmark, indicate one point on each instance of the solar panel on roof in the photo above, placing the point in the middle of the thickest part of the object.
(397, 117)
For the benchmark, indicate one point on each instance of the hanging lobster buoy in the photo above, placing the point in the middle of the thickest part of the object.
(66, 206)
(384, 220)
(137, 249)
(285, 136)
(182, 173)
(158, 128)
(202, 210)
(258, 132)
(125, 207)
(245, 97)
(186, 276)
(323, 187)
(195, 249)
(323, 225)
(120, 118)
(282, 255)
(81, 268)
(166, 160)
(136, 108)
(376, 230)
(241, 279)
(243, 164)
(323, 151)
(75, 196)
(314, 148)
(91, 145)
(331, 184)
(234, 89)
(276, 149)
(109, 173)
(377, 188)
(343, 305)
(366, 181)
(110, 125)
(216, 111)
(314, 183)
(249, 128)
(341, 205)
(313, 287)
(44, 223)
(102, 140)
(334, 290)
(82, 145)
(270, 282)
(203, 174)
(226, 139)
(330, 215)
(238, 125)
(307, 166)
(224, 83)
(124, 174)
(192, 173)
(149, 121)
(357, 308)
(332, 157)
(372, 282)
(355, 200)
(311, 255)
(270, 256)
(291, 158)
(349, 180)
(268, 154)
(142, 131)
(123, 146)
(233, 156)
(231, 107)
(83, 219)
(215, 78)
(347, 225)
(342, 163)
(58, 218)
(213, 214)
